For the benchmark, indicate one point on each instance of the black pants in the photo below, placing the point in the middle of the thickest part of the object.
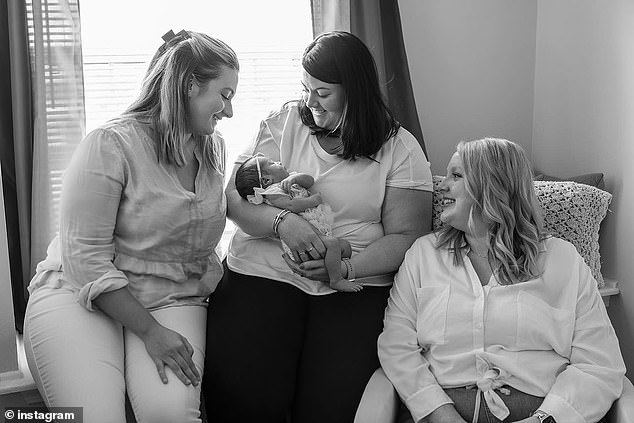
(275, 351)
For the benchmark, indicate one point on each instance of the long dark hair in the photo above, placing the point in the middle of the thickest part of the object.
(339, 57)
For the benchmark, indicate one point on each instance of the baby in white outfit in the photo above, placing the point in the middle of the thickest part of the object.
(261, 180)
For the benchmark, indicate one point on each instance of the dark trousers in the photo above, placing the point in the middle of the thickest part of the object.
(275, 351)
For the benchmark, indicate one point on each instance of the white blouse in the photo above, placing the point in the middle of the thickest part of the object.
(548, 337)
(126, 220)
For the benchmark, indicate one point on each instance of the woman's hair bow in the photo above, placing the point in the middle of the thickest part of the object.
(257, 197)
(170, 39)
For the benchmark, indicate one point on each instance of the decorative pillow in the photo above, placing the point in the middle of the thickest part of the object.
(572, 211)
(592, 179)
(436, 208)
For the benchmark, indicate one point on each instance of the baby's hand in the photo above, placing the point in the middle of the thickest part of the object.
(297, 204)
(302, 179)
(288, 181)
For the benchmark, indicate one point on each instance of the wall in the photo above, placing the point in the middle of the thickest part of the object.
(472, 67)
(584, 122)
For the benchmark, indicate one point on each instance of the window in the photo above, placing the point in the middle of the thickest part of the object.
(119, 37)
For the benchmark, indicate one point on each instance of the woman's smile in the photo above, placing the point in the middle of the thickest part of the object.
(325, 101)
(446, 202)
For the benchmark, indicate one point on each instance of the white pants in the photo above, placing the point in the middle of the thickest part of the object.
(85, 359)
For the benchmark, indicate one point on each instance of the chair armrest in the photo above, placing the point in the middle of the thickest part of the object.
(379, 403)
(622, 410)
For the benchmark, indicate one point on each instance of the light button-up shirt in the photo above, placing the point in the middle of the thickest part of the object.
(549, 337)
(126, 220)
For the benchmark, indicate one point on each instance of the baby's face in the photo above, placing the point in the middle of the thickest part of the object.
(273, 169)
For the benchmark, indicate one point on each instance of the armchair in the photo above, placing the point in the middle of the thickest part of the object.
(380, 403)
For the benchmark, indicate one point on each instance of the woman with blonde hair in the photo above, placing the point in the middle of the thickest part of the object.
(119, 304)
(490, 319)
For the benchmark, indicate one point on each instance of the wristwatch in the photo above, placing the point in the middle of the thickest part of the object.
(543, 417)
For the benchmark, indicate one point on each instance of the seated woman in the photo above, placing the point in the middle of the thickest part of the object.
(291, 345)
(490, 319)
(119, 305)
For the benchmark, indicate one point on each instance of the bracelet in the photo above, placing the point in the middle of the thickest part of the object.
(278, 219)
(350, 274)
(543, 417)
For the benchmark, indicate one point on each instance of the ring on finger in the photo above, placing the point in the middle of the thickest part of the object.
(309, 250)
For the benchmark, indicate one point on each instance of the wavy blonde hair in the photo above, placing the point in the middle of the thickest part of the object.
(499, 179)
(163, 100)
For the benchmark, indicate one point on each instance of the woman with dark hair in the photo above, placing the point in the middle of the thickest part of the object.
(287, 343)
(119, 305)
(365, 123)
(490, 319)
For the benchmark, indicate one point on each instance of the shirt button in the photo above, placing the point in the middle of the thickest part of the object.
(479, 326)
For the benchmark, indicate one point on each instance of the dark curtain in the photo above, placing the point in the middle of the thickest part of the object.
(42, 120)
(15, 145)
(378, 24)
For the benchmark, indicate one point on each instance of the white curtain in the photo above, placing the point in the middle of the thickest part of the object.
(58, 110)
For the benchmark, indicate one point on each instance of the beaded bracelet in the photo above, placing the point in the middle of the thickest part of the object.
(278, 219)
(350, 275)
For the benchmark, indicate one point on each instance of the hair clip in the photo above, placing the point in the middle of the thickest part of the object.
(169, 36)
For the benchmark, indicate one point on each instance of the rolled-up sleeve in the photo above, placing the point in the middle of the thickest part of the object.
(585, 389)
(399, 351)
(91, 193)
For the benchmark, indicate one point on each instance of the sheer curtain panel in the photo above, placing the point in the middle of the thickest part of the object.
(58, 110)
(330, 15)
